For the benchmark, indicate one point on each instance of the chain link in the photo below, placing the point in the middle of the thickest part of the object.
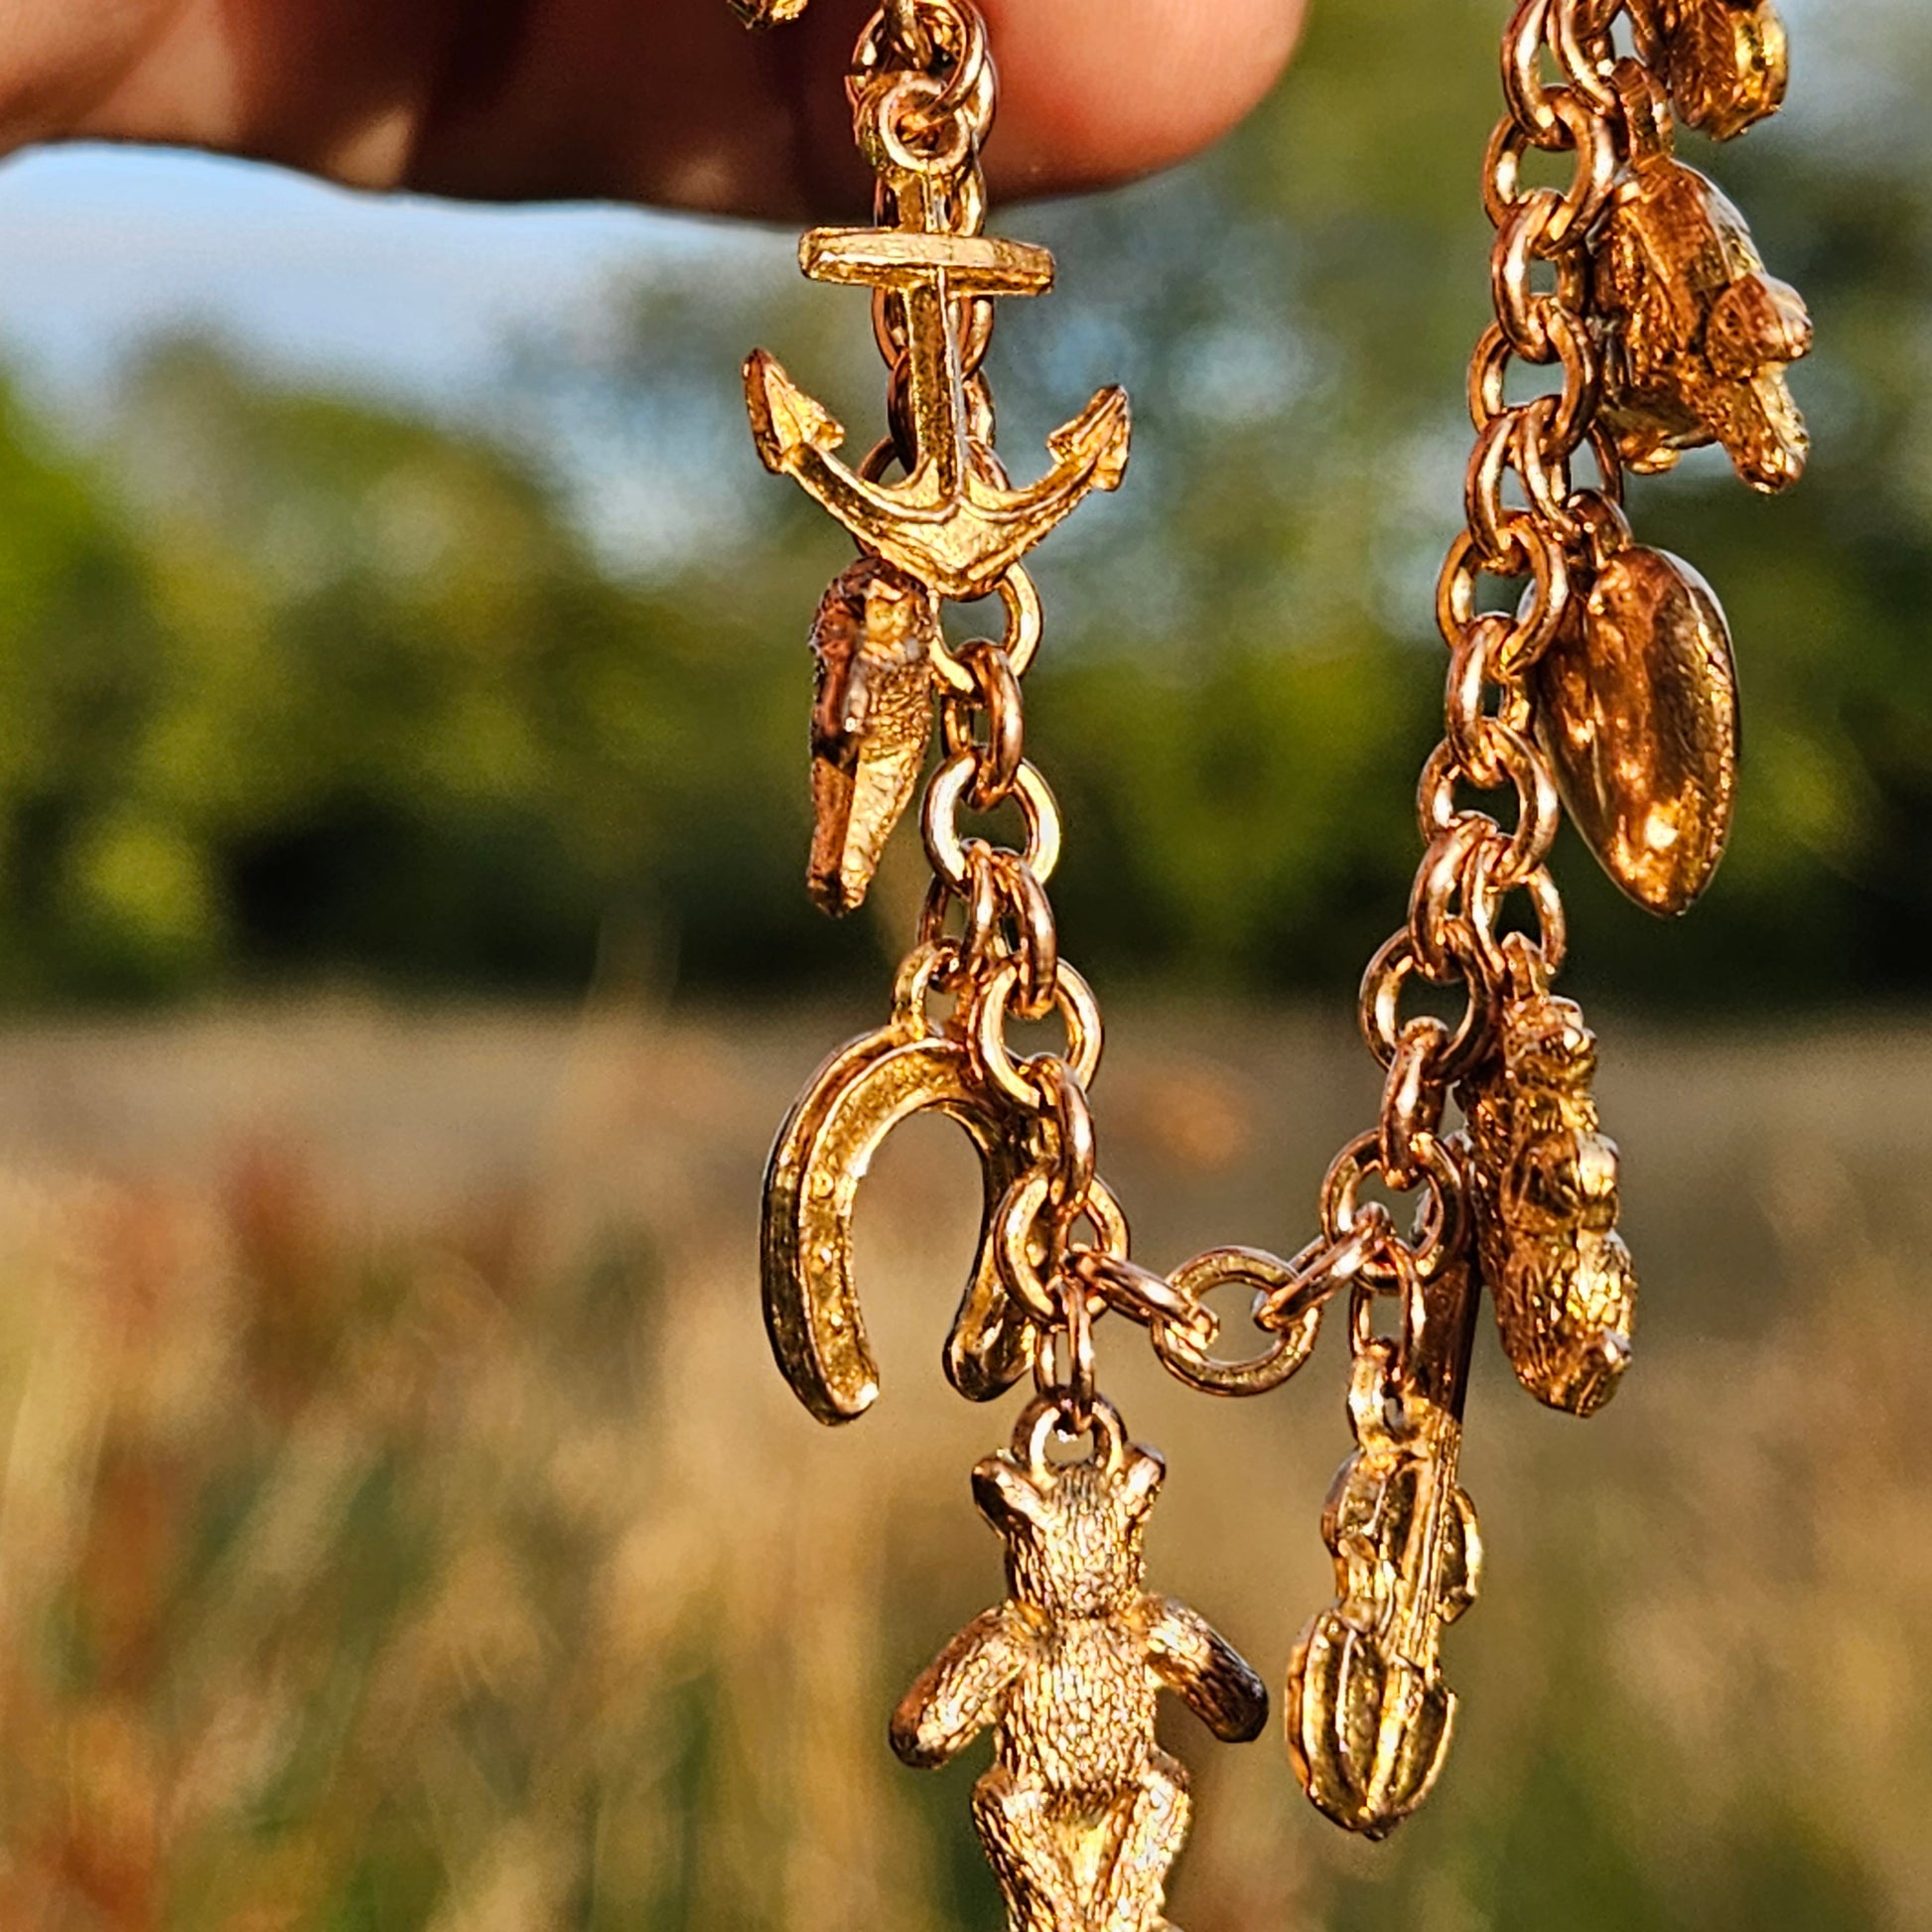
(1535, 535)
(1527, 520)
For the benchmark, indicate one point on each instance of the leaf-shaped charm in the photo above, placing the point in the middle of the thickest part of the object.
(1637, 706)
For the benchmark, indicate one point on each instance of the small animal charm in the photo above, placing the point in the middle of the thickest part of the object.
(1725, 60)
(1545, 1189)
(872, 720)
(1369, 1716)
(1081, 1813)
(1697, 334)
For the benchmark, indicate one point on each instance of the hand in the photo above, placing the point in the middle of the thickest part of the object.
(652, 100)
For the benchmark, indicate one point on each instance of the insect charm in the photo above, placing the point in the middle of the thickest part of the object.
(1546, 1203)
(1369, 1715)
(1081, 1813)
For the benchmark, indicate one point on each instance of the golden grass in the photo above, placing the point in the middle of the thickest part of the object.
(402, 1525)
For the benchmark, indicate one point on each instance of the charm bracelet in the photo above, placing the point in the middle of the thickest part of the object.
(1605, 688)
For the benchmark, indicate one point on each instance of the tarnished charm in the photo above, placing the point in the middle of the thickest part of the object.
(1636, 706)
(1699, 336)
(1081, 1813)
(1725, 60)
(872, 720)
(1369, 1715)
(1545, 1186)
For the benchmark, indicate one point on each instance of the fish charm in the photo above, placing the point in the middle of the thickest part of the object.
(1082, 1813)
(871, 721)
(1369, 1713)
(1544, 1192)
(1635, 704)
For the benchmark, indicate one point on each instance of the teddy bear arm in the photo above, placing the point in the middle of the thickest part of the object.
(1192, 1659)
(958, 1694)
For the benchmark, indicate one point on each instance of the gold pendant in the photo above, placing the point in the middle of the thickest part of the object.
(1369, 1715)
(953, 523)
(1607, 685)
(1546, 1205)
(1082, 1813)
(1699, 334)
(872, 720)
(1637, 709)
(1725, 60)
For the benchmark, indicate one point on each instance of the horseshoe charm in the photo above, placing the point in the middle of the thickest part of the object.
(811, 1186)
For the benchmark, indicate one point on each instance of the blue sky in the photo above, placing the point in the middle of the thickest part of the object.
(104, 246)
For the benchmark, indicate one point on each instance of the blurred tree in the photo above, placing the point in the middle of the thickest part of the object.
(301, 687)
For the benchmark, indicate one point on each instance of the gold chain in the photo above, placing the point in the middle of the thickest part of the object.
(1602, 686)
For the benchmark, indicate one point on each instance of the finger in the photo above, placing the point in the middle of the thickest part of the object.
(690, 109)
(669, 101)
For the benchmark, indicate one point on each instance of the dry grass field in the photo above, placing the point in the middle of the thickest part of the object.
(402, 1524)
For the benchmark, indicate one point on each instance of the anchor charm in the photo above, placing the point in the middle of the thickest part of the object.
(952, 522)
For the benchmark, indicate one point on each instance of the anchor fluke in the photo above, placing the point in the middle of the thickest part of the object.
(785, 420)
(1097, 440)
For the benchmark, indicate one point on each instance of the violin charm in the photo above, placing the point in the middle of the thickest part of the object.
(1369, 1716)
(1545, 1189)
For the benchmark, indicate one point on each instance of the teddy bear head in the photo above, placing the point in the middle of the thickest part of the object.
(1073, 1531)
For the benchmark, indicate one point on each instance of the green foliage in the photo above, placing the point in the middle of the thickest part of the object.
(299, 686)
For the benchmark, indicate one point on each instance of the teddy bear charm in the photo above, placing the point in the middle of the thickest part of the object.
(1081, 1813)
(1594, 675)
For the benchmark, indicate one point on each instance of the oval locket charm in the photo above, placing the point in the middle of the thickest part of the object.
(1637, 706)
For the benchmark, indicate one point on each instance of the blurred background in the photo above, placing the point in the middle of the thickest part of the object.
(405, 960)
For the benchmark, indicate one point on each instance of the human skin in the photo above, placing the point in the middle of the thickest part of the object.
(665, 101)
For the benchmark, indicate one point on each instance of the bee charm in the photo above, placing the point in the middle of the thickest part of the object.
(1545, 1190)
(1369, 1715)
(872, 720)
(1081, 1813)
(1698, 334)
(1725, 61)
